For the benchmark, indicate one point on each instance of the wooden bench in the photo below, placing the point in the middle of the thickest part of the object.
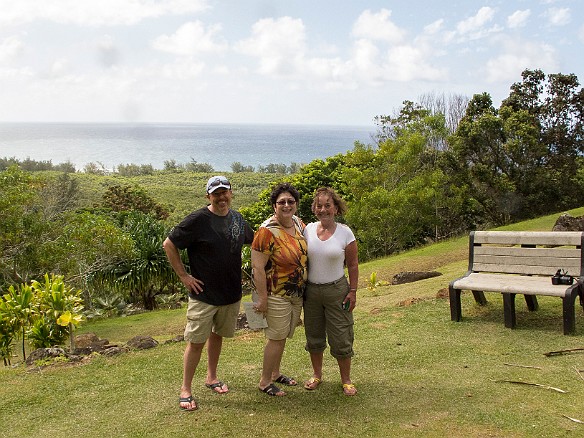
(521, 263)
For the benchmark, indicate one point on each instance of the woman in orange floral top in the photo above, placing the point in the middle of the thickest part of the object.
(279, 262)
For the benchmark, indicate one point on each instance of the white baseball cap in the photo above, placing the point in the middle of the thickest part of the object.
(218, 182)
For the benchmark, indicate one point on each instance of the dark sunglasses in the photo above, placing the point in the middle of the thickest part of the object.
(286, 201)
(219, 181)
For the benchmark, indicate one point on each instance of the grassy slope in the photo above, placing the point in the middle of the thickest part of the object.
(418, 373)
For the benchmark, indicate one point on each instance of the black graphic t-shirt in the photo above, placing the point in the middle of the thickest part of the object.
(213, 244)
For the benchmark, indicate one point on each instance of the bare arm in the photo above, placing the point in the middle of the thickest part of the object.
(258, 265)
(191, 283)
(352, 260)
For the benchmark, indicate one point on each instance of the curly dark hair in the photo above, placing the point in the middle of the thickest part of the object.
(282, 188)
(337, 200)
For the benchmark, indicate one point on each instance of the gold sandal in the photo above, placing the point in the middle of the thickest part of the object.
(349, 389)
(312, 383)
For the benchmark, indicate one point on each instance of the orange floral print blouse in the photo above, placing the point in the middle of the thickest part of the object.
(286, 270)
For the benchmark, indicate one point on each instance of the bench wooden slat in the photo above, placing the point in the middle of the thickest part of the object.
(518, 251)
(511, 284)
(559, 238)
(526, 265)
(519, 269)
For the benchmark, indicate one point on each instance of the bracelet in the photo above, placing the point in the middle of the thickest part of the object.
(353, 289)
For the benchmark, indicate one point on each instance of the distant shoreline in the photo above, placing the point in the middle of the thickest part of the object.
(218, 144)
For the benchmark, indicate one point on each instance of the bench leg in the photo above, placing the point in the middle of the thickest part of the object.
(531, 301)
(509, 309)
(569, 314)
(479, 297)
(455, 305)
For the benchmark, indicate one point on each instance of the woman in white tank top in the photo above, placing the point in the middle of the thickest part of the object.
(330, 298)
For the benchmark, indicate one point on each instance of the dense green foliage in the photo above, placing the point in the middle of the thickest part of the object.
(424, 181)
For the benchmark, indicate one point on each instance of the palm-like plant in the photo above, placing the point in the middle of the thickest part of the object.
(145, 274)
(6, 333)
(19, 310)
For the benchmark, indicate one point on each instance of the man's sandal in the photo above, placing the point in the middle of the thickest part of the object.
(218, 385)
(349, 389)
(312, 383)
(190, 400)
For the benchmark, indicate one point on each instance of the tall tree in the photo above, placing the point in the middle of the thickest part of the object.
(479, 160)
(557, 105)
(399, 192)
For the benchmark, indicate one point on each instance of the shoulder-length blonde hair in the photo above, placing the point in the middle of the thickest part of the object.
(337, 200)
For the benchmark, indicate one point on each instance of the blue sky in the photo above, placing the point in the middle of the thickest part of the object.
(280, 61)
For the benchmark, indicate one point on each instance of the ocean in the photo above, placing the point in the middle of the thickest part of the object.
(220, 145)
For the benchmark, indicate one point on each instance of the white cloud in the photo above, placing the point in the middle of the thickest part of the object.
(332, 71)
(191, 38)
(59, 68)
(518, 19)
(477, 22)
(183, 70)
(365, 60)
(558, 16)
(279, 44)
(402, 61)
(477, 26)
(107, 52)
(95, 13)
(281, 48)
(434, 27)
(408, 63)
(517, 56)
(377, 27)
(10, 48)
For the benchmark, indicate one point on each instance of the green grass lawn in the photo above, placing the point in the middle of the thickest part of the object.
(418, 373)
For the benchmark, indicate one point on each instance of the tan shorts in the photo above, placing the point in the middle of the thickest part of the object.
(202, 318)
(283, 316)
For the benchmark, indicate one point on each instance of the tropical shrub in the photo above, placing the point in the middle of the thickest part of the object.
(45, 313)
(59, 310)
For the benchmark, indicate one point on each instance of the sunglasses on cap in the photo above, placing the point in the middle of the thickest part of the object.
(218, 182)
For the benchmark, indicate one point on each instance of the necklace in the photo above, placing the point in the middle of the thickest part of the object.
(282, 225)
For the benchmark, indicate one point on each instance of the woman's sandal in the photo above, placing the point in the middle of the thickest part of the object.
(349, 389)
(285, 380)
(273, 390)
(312, 383)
